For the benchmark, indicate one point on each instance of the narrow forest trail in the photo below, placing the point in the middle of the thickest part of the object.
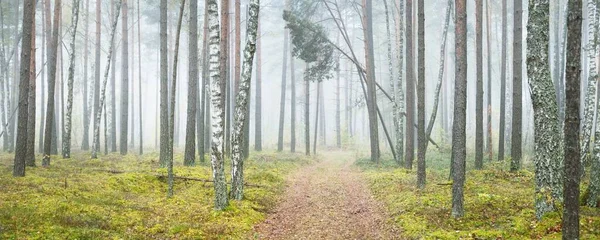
(327, 200)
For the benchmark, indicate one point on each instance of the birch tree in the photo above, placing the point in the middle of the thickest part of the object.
(66, 144)
(548, 141)
(399, 94)
(216, 108)
(241, 106)
(593, 191)
(98, 116)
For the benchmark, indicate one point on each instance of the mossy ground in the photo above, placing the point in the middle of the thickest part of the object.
(498, 204)
(79, 199)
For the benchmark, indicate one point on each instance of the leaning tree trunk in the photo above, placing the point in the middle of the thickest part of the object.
(50, 126)
(21, 147)
(217, 108)
(190, 141)
(572, 164)
(98, 117)
(548, 141)
(237, 170)
(66, 144)
(173, 101)
(30, 155)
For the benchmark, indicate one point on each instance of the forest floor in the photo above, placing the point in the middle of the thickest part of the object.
(327, 200)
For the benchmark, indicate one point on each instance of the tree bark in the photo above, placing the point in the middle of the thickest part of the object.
(460, 104)
(371, 90)
(85, 142)
(140, 79)
(317, 110)
(399, 102)
(124, 127)
(97, 67)
(293, 106)
(572, 170)
(190, 141)
(410, 92)
(112, 109)
(98, 116)
(258, 97)
(503, 70)
(23, 115)
(479, 87)
(548, 141)
(66, 143)
(283, 83)
(50, 125)
(30, 155)
(217, 108)
(164, 86)
(422, 138)
(489, 83)
(202, 125)
(306, 111)
(242, 100)
(517, 87)
(593, 191)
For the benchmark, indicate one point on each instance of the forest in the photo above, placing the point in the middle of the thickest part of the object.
(300, 119)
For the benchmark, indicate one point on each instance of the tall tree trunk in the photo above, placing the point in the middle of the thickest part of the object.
(283, 83)
(237, 171)
(399, 99)
(258, 104)
(164, 83)
(548, 142)
(317, 110)
(97, 67)
(28, 35)
(140, 79)
(593, 191)
(517, 87)
(224, 68)
(53, 48)
(410, 88)
(217, 107)
(190, 141)
(306, 111)
(589, 102)
(572, 170)
(460, 111)
(422, 138)
(123, 130)
(479, 87)
(30, 155)
(66, 144)
(172, 102)
(98, 116)
(47, 32)
(489, 83)
(371, 90)
(338, 120)
(85, 142)
(112, 113)
(293, 106)
(202, 126)
(390, 71)
(503, 70)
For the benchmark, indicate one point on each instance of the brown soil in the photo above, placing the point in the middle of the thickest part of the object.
(327, 200)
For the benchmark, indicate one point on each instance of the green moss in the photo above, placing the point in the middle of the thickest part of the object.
(498, 203)
(81, 199)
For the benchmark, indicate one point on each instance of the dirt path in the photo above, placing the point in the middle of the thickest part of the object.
(327, 200)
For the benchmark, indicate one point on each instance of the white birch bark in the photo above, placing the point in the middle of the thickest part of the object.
(593, 51)
(399, 94)
(242, 100)
(66, 145)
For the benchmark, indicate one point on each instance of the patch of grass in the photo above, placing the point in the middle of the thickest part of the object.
(498, 203)
(80, 199)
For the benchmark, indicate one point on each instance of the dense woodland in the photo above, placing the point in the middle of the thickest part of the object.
(299, 119)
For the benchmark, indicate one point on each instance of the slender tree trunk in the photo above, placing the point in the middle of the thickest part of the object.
(317, 110)
(322, 126)
(338, 124)
(293, 106)
(283, 84)
(571, 129)
(46, 32)
(164, 91)
(371, 90)
(258, 105)
(399, 100)
(50, 126)
(306, 111)
(97, 67)
(410, 88)
(460, 106)
(548, 142)
(489, 83)
(422, 138)
(517, 87)
(479, 88)
(140, 79)
(124, 131)
(85, 141)
(237, 171)
(224, 68)
(30, 155)
(503, 70)
(173, 101)
(593, 191)
(112, 109)
(217, 108)
(201, 135)
(190, 144)
(66, 144)
(98, 116)
(28, 35)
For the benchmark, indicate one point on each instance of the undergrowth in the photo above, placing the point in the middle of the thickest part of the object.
(124, 197)
(498, 203)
